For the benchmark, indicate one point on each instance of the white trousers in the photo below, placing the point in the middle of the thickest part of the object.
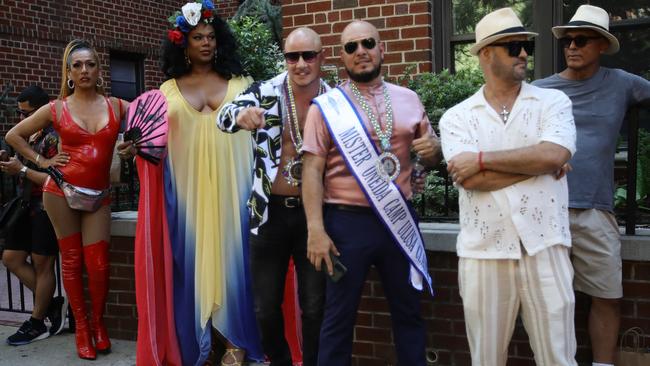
(495, 290)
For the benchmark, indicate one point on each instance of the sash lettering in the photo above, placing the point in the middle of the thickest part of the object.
(386, 199)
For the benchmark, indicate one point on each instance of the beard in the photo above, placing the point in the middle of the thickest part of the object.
(364, 77)
(507, 71)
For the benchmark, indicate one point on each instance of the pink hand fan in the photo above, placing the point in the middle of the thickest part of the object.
(147, 124)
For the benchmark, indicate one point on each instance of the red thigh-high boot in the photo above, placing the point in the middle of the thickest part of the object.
(96, 259)
(71, 264)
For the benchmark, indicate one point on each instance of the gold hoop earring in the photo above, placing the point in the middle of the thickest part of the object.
(70, 84)
(99, 82)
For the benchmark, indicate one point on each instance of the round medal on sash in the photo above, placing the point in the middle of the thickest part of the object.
(292, 171)
(388, 166)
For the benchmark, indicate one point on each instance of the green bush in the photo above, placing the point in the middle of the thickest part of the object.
(431, 202)
(260, 55)
(266, 13)
(439, 92)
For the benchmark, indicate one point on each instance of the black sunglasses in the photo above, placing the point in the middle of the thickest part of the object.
(23, 113)
(580, 41)
(368, 43)
(308, 56)
(514, 47)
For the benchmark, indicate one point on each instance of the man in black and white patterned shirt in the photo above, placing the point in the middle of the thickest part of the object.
(274, 111)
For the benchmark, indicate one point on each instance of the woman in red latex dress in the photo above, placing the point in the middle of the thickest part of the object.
(88, 124)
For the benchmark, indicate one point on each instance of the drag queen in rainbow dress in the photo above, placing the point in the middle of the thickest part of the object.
(191, 237)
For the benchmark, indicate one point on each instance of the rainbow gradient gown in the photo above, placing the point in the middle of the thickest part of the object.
(192, 239)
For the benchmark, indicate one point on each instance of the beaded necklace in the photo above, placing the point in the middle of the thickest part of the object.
(292, 171)
(294, 124)
(384, 136)
(387, 164)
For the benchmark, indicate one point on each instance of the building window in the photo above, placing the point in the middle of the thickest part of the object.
(454, 22)
(127, 75)
(630, 23)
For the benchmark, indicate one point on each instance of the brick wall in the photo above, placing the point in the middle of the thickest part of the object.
(404, 27)
(121, 313)
(33, 35)
(443, 314)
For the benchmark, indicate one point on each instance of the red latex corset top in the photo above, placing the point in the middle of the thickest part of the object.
(90, 153)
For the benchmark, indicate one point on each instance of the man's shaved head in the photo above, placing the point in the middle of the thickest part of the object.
(359, 29)
(306, 35)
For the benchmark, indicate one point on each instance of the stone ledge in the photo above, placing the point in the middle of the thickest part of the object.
(438, 237)
(441, 237)
(123, 223)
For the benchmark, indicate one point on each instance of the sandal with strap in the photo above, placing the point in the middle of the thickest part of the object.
(233, 357)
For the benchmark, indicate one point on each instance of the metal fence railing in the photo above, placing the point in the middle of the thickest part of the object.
(439, 202)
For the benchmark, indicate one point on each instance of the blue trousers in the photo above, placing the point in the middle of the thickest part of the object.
(363, 241)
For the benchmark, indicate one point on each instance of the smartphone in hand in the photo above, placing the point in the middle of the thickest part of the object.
(339, 268)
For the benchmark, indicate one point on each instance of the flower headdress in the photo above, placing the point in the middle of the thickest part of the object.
(187, 18)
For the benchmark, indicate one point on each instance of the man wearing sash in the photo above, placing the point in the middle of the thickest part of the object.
(274, 111)
(506, 147)
(358, 141)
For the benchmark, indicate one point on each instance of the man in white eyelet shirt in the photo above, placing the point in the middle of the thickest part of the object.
(506, 148)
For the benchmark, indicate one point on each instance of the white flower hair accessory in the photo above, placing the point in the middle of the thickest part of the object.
(187, 18)
(192, 13)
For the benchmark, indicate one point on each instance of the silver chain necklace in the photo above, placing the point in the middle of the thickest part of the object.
(505, 113)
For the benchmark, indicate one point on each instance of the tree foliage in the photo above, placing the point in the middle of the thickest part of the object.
(265, 12)
(468, 12)
(439, 92)
(259, 54)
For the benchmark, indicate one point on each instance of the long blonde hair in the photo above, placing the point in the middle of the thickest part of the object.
(72, 47)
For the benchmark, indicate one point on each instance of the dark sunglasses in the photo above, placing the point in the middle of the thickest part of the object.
(368, 43)
(580, 41)
(23, 113)
(308, 56)
(514, 47)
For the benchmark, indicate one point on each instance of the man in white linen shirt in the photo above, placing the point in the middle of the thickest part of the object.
(506, 147)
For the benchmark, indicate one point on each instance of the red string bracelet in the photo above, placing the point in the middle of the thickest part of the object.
(481, 167)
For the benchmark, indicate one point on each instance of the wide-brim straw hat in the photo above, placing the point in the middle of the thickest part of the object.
(590, 17)
(496, 25)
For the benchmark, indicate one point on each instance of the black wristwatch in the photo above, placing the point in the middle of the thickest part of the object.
(23, 172)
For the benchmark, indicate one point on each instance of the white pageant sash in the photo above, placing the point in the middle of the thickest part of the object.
(386, 199)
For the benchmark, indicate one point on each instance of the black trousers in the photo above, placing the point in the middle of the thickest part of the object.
(284, 236)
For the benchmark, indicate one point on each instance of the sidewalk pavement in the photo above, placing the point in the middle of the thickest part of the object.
(60, 350)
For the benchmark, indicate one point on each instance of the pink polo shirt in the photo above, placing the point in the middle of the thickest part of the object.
(409, 118)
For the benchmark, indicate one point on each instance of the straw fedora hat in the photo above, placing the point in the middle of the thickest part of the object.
(590, 17)
(496, 25)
